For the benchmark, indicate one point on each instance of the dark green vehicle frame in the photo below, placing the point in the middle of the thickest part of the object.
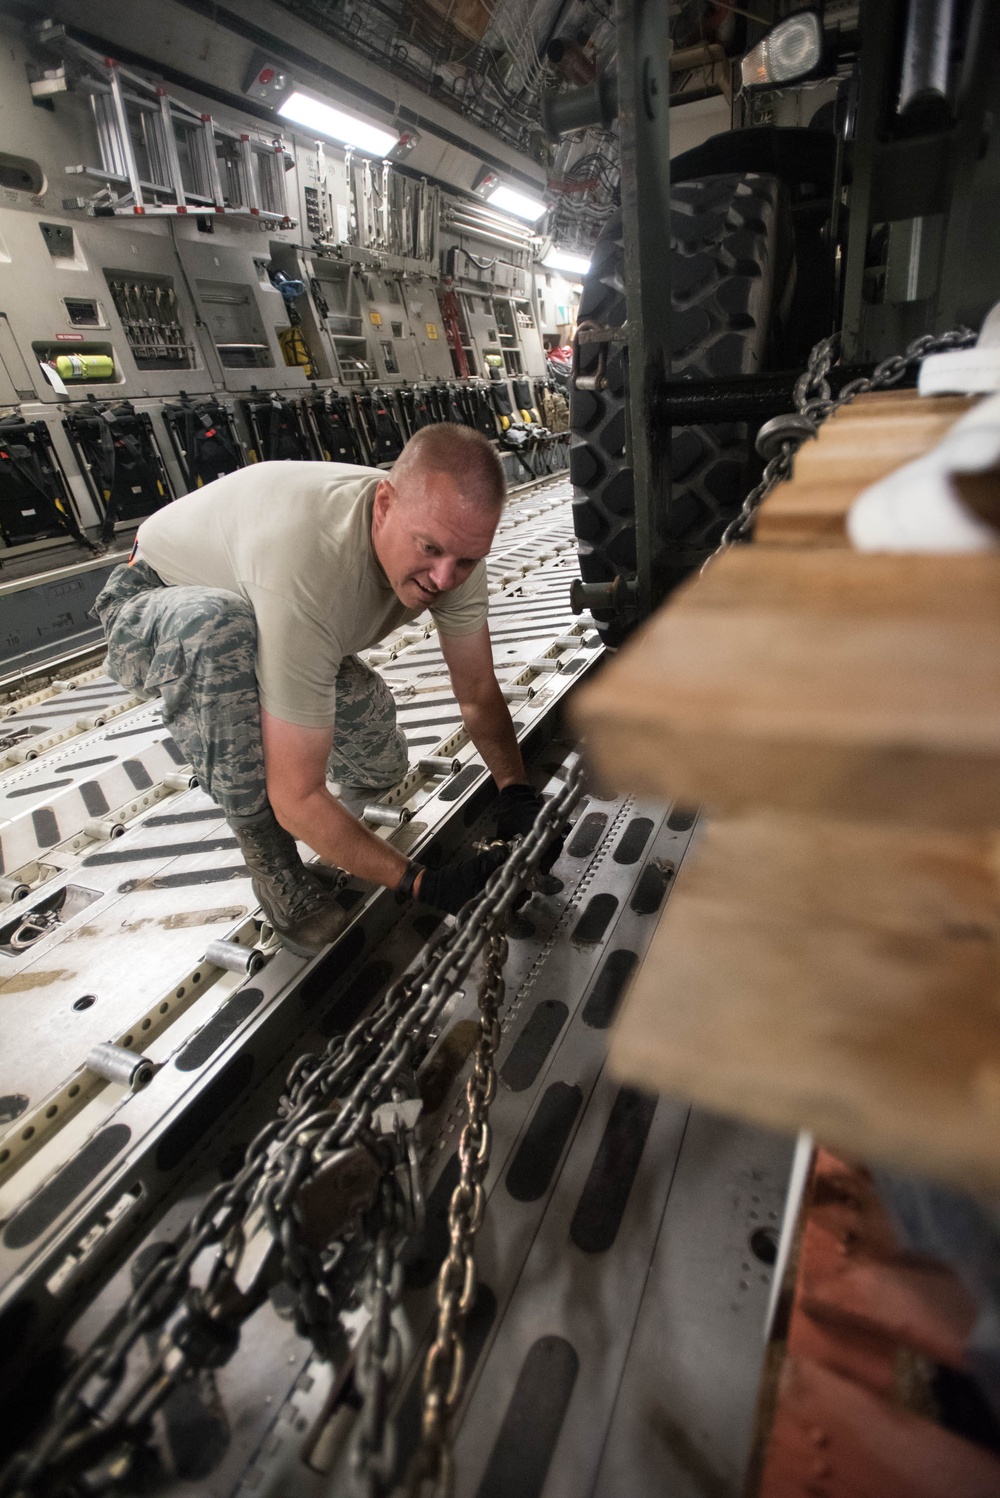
(915, 193)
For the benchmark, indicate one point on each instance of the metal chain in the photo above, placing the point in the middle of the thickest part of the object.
(444, 1368)
(328, 1120)
(780, 439)
(378, 1362)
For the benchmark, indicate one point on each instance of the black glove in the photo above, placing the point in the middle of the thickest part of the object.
(453, 886)
(517, 808)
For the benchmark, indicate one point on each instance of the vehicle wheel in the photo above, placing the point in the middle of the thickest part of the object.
(730, 260)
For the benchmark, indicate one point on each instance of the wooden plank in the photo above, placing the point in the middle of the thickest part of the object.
(842, 979)
(859, 445)
(820, 681)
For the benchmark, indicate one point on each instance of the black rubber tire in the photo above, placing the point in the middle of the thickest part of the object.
(730, 258)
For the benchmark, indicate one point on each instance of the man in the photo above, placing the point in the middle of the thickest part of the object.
(244, 607)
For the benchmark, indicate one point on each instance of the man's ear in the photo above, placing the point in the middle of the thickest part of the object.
(383, 499)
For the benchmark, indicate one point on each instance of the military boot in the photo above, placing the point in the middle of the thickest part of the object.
(304, 914)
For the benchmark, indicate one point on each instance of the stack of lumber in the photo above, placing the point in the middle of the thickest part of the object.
(860, 444)
(830, 960)
(830, 957)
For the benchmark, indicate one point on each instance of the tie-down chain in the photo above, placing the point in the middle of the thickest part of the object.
(328, 1188)
(780, 438)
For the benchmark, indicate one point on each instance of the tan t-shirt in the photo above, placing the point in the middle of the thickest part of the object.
(295, 540)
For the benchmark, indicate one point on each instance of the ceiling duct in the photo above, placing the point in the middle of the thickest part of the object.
(570, 61)
(449, 26)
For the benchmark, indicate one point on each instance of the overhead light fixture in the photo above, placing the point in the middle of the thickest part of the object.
(576, 265)
(518, 203)
(344, 128)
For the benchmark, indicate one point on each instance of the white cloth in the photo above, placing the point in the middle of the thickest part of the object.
(918, 507)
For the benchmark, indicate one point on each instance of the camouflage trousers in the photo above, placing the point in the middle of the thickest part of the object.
(195, 649)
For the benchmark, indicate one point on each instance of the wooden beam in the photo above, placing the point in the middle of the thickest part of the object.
(859, 445)
(819, 681)
(841, 979)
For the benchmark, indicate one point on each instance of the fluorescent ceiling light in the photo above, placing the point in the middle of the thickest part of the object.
(518, 203)
(345, 128)
(576, 265)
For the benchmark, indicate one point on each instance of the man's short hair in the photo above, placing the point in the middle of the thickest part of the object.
(465, 455)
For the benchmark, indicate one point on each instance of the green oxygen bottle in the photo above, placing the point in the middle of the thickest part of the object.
(84, 366)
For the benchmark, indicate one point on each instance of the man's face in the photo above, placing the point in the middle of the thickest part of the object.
(427, 538)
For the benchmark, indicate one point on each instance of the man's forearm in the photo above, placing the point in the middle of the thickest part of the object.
(490, 728)
(338, 838)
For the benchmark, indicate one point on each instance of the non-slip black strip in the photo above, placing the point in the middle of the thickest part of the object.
(138, 774)
(426, 924)
(605, 996)
(425, 1251)
(185, 880)
(38, 790)
(219, 1028)
(172, 749)
(519, 1461)
(452, 720)
(132, 733)
(539, 1152)
(440, 1072)
(682, 818)
(605, 1196)
(649, 892)
(332, 967)
(533, 1045)
(44, 713)
(88, 764)
(38, 1214)
(633, 840)
(596, 915)
(460, 783)
(43, 819)
(94, 798)
(478, 802)
(541, 631)
(165, 850)
(17, 1323)
(175, 818)
(588, 833)
(12, 1105)
(352, 1003)
(198, 1119)
(92, 697)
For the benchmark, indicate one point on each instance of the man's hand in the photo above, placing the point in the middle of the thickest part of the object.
(453, 886)
(517, 808)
